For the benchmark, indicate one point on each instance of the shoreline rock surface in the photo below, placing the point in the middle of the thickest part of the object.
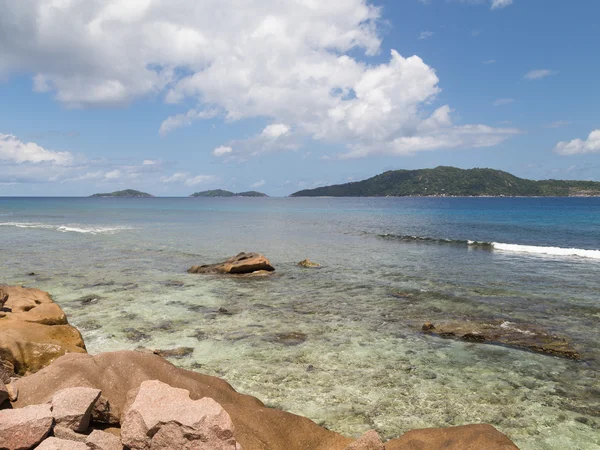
(145, 402)
(242, 263)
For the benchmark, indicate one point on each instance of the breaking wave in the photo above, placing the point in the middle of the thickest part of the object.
(499, 246)
(84, 229)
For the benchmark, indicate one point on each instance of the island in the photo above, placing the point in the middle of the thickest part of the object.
(223, 193)
(446, 181)
(127, 193)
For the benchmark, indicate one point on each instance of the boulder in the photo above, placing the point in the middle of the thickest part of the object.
(368, 441)
(165, 417)
(34, 331)
(24, 428)
(501, 332)
(467, 437)
(54, 443)
(68, 434)
(307, 263)
(100, 440)
(72, 407)
(242, 263)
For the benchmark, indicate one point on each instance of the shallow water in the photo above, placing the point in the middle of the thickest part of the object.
(334, 344)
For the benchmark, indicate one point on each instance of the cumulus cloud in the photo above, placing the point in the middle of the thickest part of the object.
(302, 65)
(14, 150)
(188, 179)
(580, 146)
(222, 150)
(538, 74)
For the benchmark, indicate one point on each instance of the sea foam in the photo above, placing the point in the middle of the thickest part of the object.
(85, 229)
(550, 251)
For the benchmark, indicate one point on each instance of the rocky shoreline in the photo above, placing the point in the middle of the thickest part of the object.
(53, 395)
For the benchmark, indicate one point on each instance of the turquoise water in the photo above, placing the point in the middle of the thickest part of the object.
(334, 344)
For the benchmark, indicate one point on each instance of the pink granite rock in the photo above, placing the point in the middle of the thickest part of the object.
(53, 443)
(100, 440)
(72, 407)
(165, 417)
(24, 428)
(368, 441)
(68, 434)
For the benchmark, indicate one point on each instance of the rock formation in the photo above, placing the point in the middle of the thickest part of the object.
(307, 263)
(243, 263)
(501, 332)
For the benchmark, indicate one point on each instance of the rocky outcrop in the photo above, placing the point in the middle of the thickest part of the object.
(152, 406)
(35, 331)
(165, 417)
(22, 429)
(243, 263)
(500, 332)
(308, 264)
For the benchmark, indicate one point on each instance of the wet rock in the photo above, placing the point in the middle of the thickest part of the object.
(179, 352)
(307, 263)
(103, 413)
(24, 428)
(135, 335)
(292, 338)
(31, 274)
(500, 332)
(100, 440)
(243, 263)
(165, 417)
(72, 407)
(54, 443)
(173, 283)
(224, 311)
(368, 441)
(89, 299)
(199, 334)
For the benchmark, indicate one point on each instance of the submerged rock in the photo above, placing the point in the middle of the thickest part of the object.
(501, 332)
(243, 263)
(179, 352)
(291, 338)
(308, 264)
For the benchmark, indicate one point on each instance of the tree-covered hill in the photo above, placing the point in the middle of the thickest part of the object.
(131, 193)
(223, 193)
(451, 181)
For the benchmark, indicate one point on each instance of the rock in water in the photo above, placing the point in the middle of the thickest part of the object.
(242, 263)
(72, 407)
(26, 427)
(165, 417)
(368, 441)
(501, 332)
(308, 264)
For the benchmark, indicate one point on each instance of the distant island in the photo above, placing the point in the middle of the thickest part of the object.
(223, 193)
(453, 182)
(129, 193)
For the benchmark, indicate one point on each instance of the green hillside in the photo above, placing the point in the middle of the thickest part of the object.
(451, 181)
(223, 193)
(131, 193)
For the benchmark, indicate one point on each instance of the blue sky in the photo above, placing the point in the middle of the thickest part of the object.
(173, 97)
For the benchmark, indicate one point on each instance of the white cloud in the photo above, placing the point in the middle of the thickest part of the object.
(557, 124)
(14, 150)
(187, 179)
(294, 64)
(425, 35)
(538, 74)
(150, 162)
(258, 184)
(275, 130)
(504, 101)
(113, 175)
(222, 150)
(499, 4)
(579, 146)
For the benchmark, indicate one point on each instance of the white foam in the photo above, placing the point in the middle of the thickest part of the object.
(68, 228)
(550, 251)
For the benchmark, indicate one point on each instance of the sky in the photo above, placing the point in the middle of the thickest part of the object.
(173, 97)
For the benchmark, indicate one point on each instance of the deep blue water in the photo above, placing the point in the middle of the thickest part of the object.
(373, 368)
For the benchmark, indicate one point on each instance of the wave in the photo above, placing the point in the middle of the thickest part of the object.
(550, 251)
(85, 229)
(499, 246)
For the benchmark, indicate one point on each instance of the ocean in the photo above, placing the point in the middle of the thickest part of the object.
(341, 344)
